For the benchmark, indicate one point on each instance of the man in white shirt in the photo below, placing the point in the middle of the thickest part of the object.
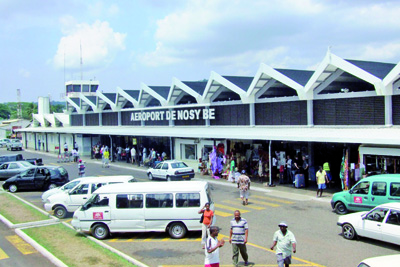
(284, 241)
(133, 154)
(212, 248)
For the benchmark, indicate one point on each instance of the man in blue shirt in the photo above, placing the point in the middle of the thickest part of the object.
(238, 238)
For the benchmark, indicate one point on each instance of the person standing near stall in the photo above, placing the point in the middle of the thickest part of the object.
(208, 216)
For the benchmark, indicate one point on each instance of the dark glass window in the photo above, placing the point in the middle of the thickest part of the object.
(183, 200)
(131, 201)
(85, 88)
(159, 201)
(77, 88)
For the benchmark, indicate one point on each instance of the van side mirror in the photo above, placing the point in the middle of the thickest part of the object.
(351, 191)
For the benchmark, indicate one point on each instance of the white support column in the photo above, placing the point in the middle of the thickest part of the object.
(310, 113)
(100, 118)
(83, 119)
(119, 118)
(252, 115)
(171, 123)
(388, 111)
(208, 120)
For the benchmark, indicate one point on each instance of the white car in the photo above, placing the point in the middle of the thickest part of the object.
(171, 170)
(4, 142)
(381, 223)
(15, 144)
(389, 260)
(66, 188)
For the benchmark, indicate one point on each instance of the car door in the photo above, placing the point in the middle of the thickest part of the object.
(164, 170)
(13, 169)
(4, 173)
(391, 227)
(41, 175)
(360, 197)
(156, 171)
(372, 223)
(78, 196)
(26, 181)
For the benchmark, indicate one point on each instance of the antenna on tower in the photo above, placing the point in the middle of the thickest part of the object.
(80, 45)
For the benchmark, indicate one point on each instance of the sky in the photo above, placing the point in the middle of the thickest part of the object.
(125, 43)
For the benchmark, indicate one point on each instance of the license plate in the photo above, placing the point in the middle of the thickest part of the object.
(185, 176)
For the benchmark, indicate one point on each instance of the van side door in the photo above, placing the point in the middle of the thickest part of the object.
(360, 198)
(78, 196)
(128, 213)
(159, 211)
(100, 209)
(379, 193)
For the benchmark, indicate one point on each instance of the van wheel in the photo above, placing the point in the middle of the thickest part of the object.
(177, 230)
(348, 231)
(100, 231)
(60, 212)
(168, 179)
(13, 188)
(52, 186)
(340, 208)
(150, 176)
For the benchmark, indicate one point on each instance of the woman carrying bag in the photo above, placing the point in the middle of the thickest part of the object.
(206, 220)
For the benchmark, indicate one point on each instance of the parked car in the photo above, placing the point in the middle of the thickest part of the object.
(381, 223)
(171, 170)
(19, 157)
(37, 178)
(64, 188)
(12, 168)
(4, 142)
(14, 144)
(368, 193)
(388, 260)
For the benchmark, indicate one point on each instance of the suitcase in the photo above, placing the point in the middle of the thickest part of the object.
(299, 180)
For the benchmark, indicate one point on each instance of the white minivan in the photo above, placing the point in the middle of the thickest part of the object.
(144, 207)
(69, 200)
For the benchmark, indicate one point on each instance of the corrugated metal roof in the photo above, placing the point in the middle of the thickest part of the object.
(161, 90)
(299, 76)
(133, 93)
(92, 99)
(377, 69)
(240, 81)
(199, 87)
(110, 96)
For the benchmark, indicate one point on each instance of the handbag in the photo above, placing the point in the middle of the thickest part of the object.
(202, 218)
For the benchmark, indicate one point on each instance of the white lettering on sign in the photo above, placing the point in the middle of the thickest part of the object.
(183, 114)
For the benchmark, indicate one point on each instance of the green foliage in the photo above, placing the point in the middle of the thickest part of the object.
(5, 111)
(9, 110)
(57, 108)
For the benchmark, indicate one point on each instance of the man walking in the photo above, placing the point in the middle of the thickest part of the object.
(238, 238)
(212, 248)
(321, 179)
(284, 241)
(244, 187)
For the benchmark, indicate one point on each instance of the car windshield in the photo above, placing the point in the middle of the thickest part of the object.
(70, 185)
(62, 171)
(177, 165)
(26, 164)
(15, 141)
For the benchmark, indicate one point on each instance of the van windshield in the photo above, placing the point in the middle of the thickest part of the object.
(90, 202)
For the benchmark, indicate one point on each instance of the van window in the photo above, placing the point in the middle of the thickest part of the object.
(361, 188)
(131, 201)
(183, 200)
(159, 201)
(97, 186)
(378, 189)
(395, 189)
(81, 190)
(100, 203)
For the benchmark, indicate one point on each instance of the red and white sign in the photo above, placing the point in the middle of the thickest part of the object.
(97, 216)
(358, 200)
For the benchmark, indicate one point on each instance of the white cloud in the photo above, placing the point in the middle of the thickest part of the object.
(99, 42)
(24, 73)
(379, 52)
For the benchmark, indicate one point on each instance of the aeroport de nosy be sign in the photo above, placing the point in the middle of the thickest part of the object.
(185, 114)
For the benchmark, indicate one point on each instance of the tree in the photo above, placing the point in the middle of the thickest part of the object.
(5, 112)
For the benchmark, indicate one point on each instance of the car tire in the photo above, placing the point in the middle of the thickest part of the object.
(60, 212)
(100, 231)
(150, 176)
(177, 230)
(168, 178)
(13, 188)
(340, 208)
(348, 231)
(52, 186)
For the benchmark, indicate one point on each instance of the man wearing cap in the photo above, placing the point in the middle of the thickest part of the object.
(284, 241)
(244, 187)
(238, 238)
(212, 248)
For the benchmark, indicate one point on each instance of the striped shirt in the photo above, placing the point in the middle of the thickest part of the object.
(238, 230)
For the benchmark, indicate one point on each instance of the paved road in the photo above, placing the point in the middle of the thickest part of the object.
(311, 220)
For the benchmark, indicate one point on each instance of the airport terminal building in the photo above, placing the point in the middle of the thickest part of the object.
(345, 108)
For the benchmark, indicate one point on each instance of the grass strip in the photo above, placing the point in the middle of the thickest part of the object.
(72, 248)
(17, 211)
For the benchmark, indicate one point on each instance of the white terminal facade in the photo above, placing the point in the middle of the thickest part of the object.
(344, 105)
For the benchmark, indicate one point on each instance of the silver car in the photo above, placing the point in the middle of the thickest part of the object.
(12, 168)
(4, 142)
(15, 144)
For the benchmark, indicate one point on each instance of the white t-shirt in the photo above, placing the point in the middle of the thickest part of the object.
(133, 152)
(212, 257)
(284, 242)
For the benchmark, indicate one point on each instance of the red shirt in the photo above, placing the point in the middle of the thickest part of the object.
(207, 216)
